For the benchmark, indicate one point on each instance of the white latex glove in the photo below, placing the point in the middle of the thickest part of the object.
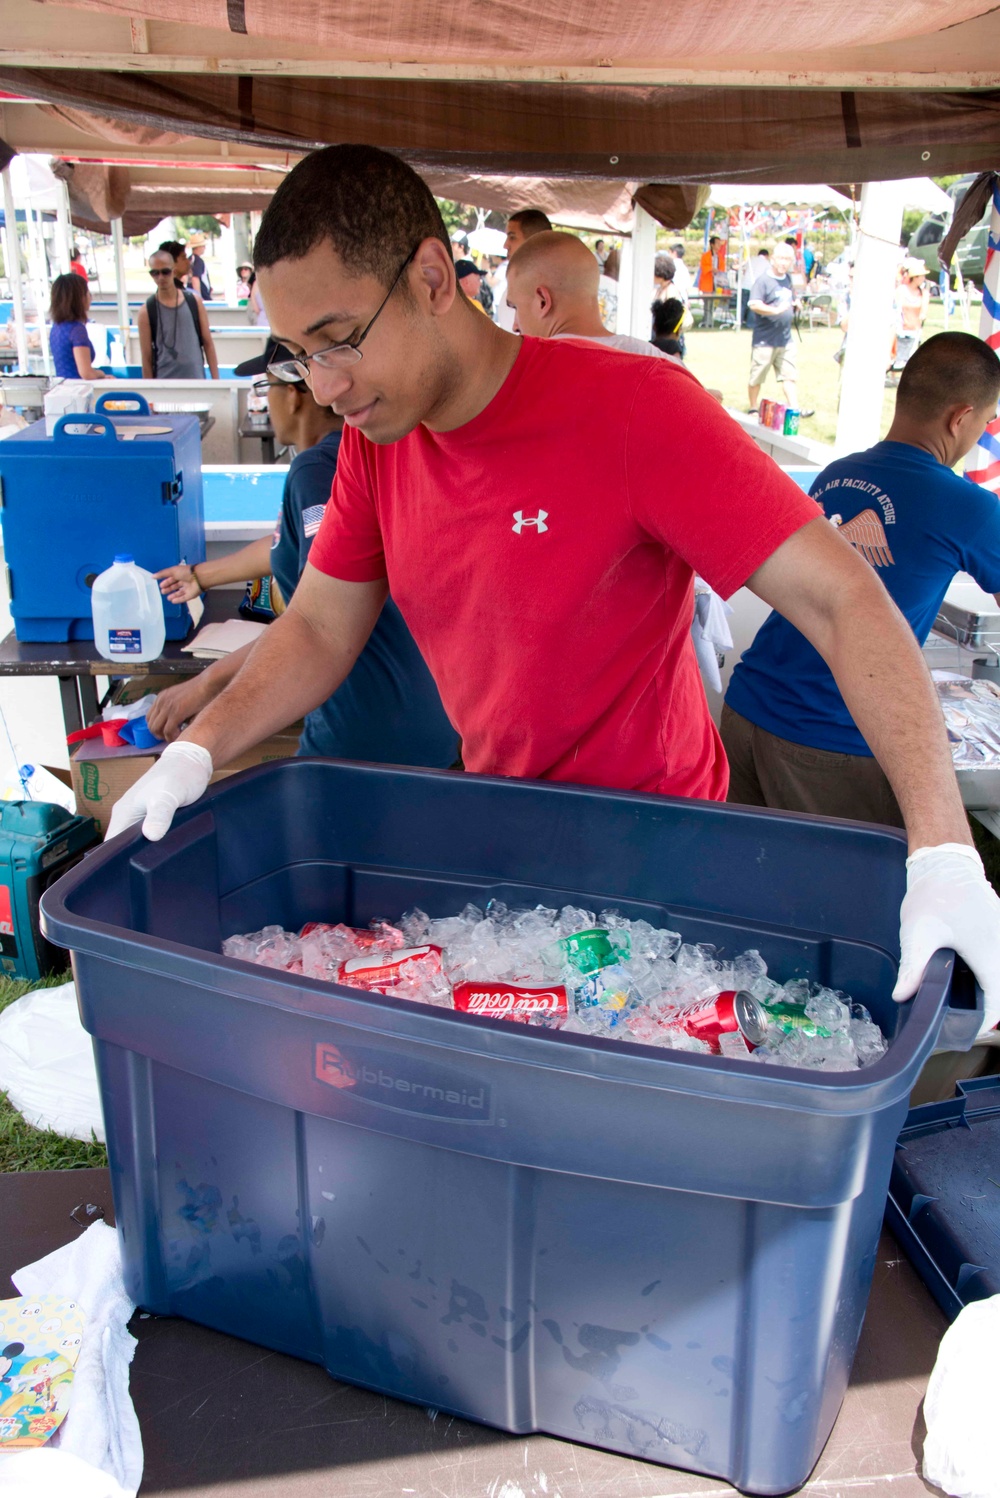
(179, 777)
(950, 903)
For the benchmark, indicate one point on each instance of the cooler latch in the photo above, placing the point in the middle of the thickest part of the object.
(173, 489)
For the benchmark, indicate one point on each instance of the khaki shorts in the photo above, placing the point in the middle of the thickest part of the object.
(767, 771)
(781, 360)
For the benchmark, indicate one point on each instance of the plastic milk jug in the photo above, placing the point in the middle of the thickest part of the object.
(128, 613)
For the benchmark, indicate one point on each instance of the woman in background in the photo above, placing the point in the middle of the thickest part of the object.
(69, 341)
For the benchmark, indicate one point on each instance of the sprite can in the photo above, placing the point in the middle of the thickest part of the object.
(791, 423)
(589, 951)
(788, 1017)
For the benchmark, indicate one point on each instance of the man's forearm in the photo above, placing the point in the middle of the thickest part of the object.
(835, 598)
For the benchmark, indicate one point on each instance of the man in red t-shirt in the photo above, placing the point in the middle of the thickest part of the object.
(540, 524)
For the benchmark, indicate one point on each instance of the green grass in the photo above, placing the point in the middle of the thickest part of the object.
(25, 1148)
(722, 361)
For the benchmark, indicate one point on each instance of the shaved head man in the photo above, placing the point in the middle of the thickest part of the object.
(552, 283)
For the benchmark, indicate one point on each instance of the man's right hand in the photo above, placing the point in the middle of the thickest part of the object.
(180, 776)
(175, 706)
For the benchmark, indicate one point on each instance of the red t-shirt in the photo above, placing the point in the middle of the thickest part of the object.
(543, 556)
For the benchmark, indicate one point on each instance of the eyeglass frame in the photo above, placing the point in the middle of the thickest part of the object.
(292, 371)
(163, 271)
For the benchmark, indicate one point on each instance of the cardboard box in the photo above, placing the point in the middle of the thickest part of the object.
(101, 776)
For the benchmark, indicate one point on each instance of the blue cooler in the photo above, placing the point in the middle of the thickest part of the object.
(663, 1254)
(72, 500)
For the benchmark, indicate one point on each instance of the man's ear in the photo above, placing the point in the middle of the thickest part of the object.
(543, 297)
(432, 277)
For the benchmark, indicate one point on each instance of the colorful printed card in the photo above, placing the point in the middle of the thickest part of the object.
(40, 1339)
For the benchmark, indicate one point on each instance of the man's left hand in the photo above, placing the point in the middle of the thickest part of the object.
(950, 903)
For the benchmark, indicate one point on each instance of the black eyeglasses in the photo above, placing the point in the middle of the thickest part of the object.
(156, 273)
(338, 355)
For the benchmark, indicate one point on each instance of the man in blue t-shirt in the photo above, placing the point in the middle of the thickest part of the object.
(387, 709)
(790, 738)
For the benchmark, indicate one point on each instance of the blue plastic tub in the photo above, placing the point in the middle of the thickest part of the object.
(662, 1254)
(944, 1194)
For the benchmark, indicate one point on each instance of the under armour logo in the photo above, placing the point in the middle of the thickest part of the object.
(538, 520)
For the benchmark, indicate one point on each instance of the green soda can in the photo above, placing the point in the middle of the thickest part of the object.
(589, 951)
(791, 423)
(789, 1017)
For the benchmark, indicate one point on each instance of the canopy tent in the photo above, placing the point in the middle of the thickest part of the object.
(545, 90)
(909, 44)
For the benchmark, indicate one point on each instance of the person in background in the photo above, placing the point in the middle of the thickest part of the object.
(470, 278)
(552, 285)
(459, 244)
(601, 251)
(664, 271)
(181, 259)
(789, 735)
(174, 335)
(808, 260)
(772, 301)
(913, 298)
(244, 280)
(711, 268)
(69, 341)
(668, 322)
(387, 710)
(256, 305)
(199, 282)
(76, 265)
(520, 226)
(682, 276)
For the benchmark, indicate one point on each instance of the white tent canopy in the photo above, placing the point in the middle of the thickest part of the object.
(790, 195)
(921, 192)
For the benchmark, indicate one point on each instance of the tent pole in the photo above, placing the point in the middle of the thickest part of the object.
(869, 332)
(121, 291)
(12, 256)
(63, 233)
(643, 267)
(40, 275)
(623, 317)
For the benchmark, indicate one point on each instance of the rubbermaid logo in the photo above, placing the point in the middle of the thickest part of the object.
(394, 1082)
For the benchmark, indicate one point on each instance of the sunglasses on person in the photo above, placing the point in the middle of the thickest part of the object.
(338, 355)
(157, 273)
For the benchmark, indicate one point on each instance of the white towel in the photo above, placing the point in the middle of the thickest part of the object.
(97, 1451)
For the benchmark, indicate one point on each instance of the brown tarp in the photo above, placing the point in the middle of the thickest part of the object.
(968, 211)
(628, 133)
(621, 32)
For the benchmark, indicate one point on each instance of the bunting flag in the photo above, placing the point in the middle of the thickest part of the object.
(983, 463)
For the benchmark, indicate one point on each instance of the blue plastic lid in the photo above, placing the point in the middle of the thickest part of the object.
(26, 772)
(124, 556)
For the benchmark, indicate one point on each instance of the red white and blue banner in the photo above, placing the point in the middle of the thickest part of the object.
(983, 463)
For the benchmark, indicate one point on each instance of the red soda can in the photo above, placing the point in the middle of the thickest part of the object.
(377, 974)
(509, 1000)
(363, 937)
(764, 412)
(727, 1013)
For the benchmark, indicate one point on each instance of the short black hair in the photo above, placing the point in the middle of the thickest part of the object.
(950, 369)
(668, 317)
(664, 267)
(371, 206)
(532, 221)
(715, 239)
(172, 246)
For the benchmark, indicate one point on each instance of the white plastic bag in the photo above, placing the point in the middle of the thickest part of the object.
(960, 1408)
(47, 1063)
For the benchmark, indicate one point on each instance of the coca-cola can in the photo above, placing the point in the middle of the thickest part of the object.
(510, 1000)
(730, 1011)
(377, 974)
